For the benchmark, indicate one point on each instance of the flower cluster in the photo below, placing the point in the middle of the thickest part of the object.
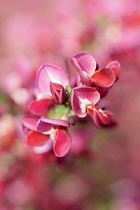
(58, 103)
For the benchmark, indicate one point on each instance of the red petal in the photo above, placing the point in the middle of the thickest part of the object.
(103, 78)
(103, 91)
(103, 118)
(44, 148)
(94, 116)
(113, 122)
(115, 67)
(40, 107)
(62, 142)
(96, 119)
(35, 138)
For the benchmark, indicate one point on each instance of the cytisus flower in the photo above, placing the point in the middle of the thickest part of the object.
(83, 100)
(86, 66)
(50, 85)
(57, 103)
(43, 134)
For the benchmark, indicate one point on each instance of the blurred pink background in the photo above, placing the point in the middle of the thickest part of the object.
(102, 169)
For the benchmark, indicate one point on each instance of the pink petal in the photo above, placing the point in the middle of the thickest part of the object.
(62, 142)
(30, 122)
(46, 147)
(108, 113)
(58, 93)
(82, 97)
(45, 124)
(99, 116)
(103, 78)
(40, 107)
(85, 62)
(94, 116)
(49, 73)
(34, 138)
(103, 118)
(75, 80)
(96, 119)
(85, 65)
(115, 67)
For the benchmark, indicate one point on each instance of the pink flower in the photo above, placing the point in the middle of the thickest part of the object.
(51, 82)
(83, 102)
(49, 88)
(86, 65)
(44, 133)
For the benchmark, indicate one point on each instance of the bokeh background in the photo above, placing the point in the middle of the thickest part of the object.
(102, 169)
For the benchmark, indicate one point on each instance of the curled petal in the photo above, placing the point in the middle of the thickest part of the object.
(85, 65)
(46, 124)
(103, 78)
(40, 107)
(49, 73)
(115, 67)
(34, 138)
(62, 142)
(99, 116)
(30, 123)
(82, 97)
(103, 118)
(94, 116)
(113, 122)
(58, 93)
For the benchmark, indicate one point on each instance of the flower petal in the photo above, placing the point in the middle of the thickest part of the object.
(34, 138)
(40, 107)
(103, 91)
(49, 73)
(94, 116)
(62, 142)
(103, 117)
(58, 93)
(82, 97)
(45, 124)
(108, 113)
(115, 67)
(103, 78)
(113, 122)
(85, 65)
(30, 122)
(85, 62)
(46, 147)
